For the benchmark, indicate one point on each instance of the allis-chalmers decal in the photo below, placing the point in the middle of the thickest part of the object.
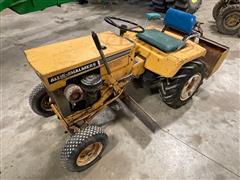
(72, 72)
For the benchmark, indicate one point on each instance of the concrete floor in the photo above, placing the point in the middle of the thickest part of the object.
(197, 141)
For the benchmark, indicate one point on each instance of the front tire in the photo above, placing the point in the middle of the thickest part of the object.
(177, 91)
(39, 101)
(84, 149)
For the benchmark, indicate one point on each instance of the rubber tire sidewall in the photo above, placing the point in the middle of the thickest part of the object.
(92, 140)
(185, 81)
(220, 20)
(71, 164)
(176, 102)
(216, 9)
(193, 7)
(35, 100)
(180, 102)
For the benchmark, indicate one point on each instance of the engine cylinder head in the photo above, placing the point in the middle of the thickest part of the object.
(91, 83)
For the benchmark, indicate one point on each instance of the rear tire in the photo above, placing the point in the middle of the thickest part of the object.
(228, 20)
(177, 91)
(190, 6)
(216, 9)
(84, 149)
(39, 101)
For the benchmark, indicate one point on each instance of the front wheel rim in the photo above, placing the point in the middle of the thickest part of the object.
(190, 87)
(45, 103)
(89, 154)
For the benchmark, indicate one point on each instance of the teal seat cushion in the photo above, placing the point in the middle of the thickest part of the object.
(160, 40)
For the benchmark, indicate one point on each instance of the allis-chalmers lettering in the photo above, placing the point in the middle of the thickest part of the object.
(72, 72)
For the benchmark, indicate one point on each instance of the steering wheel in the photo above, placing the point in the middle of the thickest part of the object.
(136, 28)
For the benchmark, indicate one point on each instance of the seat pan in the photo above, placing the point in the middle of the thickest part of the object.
(160, 40)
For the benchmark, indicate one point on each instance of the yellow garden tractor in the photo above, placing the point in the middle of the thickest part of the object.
(82, 76)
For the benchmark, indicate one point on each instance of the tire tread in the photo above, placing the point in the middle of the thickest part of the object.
(170, 89)
(37, 91)
(77, 140)
(223, 12)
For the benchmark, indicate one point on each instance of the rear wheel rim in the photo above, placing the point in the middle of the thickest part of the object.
(232, 21)
(190, 86)
(89, 154)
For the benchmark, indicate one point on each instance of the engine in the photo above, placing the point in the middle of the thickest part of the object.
(82, 92)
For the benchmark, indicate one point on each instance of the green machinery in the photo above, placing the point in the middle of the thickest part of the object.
(27, 6)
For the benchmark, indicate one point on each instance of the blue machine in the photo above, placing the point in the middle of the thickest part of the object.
(180, 20)
(174, 19)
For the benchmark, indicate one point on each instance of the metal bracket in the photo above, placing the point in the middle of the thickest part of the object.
(143, 116)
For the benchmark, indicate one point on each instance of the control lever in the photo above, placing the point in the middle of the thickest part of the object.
(100, 50)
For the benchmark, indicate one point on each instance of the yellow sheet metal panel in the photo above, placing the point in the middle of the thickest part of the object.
(167, 64)
(60, 83)
(119, 67)
(138, 67)
(66, 55)
(54, 60)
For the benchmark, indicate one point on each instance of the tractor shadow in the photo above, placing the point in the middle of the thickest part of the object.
(138, 132)
(110, 117)
(152, 104)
